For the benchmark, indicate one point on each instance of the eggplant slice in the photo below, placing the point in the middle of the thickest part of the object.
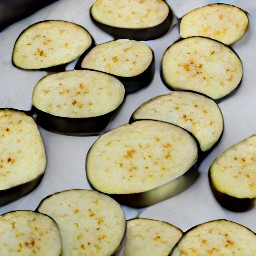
(29, 233)
(132, 62)
(217, 237)
(77, 102)
(22, 155)
(196, 113)
(223, 22)
(233, 176)
(143, 163)
(90, 223)
(202, 65)
(138, 20)
(150, 237)
(50, 45)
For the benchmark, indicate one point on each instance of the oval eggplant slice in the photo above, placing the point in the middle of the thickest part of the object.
(143, 163)
(223, 22)
(233, 176)
(50, 45)
(194, 112)
(29, 233)
(77, 102)
(90, 223)
(150, 237)
(139, 20)
(132, 62)
(217, 237)
(22, 155)
(202, 65)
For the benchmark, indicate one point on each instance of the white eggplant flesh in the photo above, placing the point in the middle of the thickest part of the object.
(143, 163)
(22, 155)
(150, 237)
(50, 44)
(223, 22)
(202, 65)
(217, 237)
(90, 222)
(26, 232)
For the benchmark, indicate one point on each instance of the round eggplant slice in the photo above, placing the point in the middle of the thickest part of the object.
(90, 223)
(29, 233)
(217, 237)
(139, 20)
(143, 163)
(223, 22)
(22, 155)
(202, 65)
(132, 62)
(50, 45)
(233, 176)
(77, 102)
(194, 112)
(150, 237)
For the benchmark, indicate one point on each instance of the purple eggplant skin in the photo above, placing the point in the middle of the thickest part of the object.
(140, 34)
(60, 67)
(15, 193)
(73, 126)
(231, 203)
(134, 83)
(15, 10)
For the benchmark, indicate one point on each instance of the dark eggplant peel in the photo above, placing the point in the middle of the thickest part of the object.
(233, 176)
(202, 65)
(22, 155)
(150, 237)
(77, 102)
(139, 20)
(132, 62)
(217, 237)
(143, 163)
(90, 223)
(223, 22)
(29, 233)
(50, 45)
(194, 112)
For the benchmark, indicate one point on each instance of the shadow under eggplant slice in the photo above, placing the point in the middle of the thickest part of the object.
(132, 62)
(143, 163)
(22, 158)
(137, 20)
(78, 102)
(50, 45)
(194, 112)
(232, 176)
(202, 65)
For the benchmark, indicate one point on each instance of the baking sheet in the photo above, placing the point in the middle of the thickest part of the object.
(66, 154)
